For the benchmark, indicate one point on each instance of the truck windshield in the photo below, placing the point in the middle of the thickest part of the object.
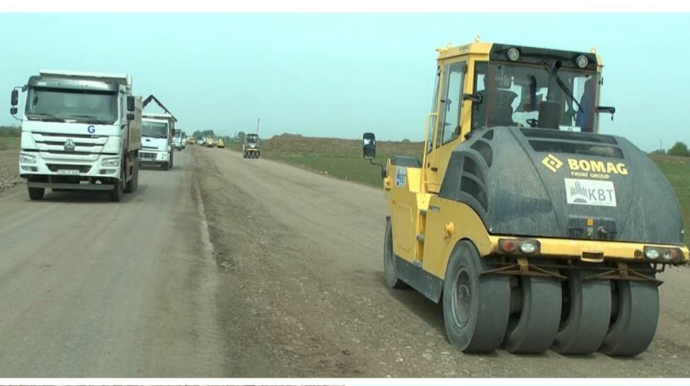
(252, 138)
(64, 104)
(154, 129)
(511, 94)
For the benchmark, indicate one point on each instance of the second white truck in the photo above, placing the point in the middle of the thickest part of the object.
(179, 140)
(157, 134)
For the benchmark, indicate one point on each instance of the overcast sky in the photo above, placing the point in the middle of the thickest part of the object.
(340, 75)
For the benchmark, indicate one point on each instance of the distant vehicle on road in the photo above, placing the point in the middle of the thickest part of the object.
(178, 139)
(251, 148)
(221, 143)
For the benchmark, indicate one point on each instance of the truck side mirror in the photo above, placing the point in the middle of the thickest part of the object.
(130, 103)
(369, 146)
(607, 109)
(130, 116)
(15, 97)
(13, 110)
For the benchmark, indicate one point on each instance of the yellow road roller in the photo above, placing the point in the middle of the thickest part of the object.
(532, 229)
(221, 143)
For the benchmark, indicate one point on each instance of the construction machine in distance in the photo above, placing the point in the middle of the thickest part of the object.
(532, 229)
(251, 148)
(210, 142)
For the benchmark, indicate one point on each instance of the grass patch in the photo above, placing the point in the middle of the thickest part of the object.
(10, 143)
(236, 146)
(339, 158)
(347, 168)
(10, 137)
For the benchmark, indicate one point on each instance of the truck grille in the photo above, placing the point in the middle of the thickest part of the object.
(147, 156)
(55, 143)
(82, 168)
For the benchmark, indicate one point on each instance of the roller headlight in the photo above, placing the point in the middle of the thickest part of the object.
(528, 247)
(519, 246)
(582, 61)
(652, 253)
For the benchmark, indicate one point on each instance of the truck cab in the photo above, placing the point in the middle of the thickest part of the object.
(80, 131)
(157, 148)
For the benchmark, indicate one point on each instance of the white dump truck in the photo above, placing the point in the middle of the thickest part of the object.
(179, 140)
(80, 131)
(157, 136)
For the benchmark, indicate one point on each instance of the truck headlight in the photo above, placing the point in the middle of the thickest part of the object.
(27, 158)
(112, 162)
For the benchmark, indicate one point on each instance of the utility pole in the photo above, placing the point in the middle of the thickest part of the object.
(258, 120)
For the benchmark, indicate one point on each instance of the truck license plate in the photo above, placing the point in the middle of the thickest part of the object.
(68, 171)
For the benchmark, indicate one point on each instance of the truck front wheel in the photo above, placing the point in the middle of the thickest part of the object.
(36, 194)
(115, 195)
(134, 182)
